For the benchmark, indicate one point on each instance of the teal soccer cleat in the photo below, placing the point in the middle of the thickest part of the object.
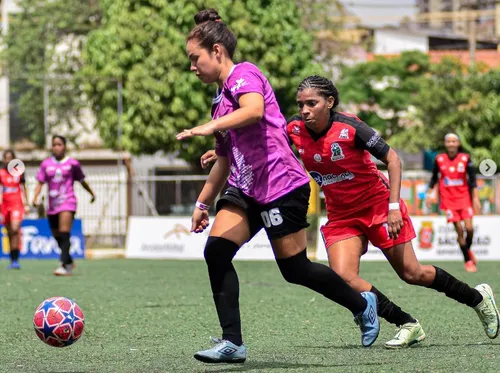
(368, 320)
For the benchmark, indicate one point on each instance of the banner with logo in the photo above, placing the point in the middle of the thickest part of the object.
(170, 238)
(437, 240)
(37, 241)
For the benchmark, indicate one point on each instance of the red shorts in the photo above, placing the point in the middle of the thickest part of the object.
(370, 222)
(12, 213)
(454, 216)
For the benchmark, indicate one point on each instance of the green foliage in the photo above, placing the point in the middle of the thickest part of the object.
(143, 44)
(43, 48)
(427, 101)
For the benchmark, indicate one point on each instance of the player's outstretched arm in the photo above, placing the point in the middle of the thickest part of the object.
(251, 111)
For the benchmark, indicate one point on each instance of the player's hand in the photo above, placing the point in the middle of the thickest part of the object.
(394, 223)
(208, 158)
(199, 220)
(477, 206)
(428, 202)
(92, 199)
(203, 130)
(35, 202)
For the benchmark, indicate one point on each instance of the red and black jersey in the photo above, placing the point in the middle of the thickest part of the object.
(339, 161)
(11, 188)
(457, 178)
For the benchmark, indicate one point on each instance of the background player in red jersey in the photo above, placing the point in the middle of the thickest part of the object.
(457, 184)
(335, 148)
(13, 201)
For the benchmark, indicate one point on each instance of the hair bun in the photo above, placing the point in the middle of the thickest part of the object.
(206, 15)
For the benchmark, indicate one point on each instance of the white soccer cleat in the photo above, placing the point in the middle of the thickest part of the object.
(64, 271)
(487, 311)
(408, 334)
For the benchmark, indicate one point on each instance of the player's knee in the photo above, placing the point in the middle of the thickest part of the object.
(14, 231)
(348, 276)
(470, 232)
(413, 275)
(295, 269)
(218, 249)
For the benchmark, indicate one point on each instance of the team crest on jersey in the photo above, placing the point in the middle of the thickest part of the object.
(317, 158)
(344, 134)
(296, 130)
(461, 167)
(337, 152)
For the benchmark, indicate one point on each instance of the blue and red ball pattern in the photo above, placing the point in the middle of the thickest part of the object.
(58, 321)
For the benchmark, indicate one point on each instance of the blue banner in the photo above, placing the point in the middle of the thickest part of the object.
(37, 241)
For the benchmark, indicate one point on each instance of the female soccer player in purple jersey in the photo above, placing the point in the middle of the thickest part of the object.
(60, 172)
(268, 189)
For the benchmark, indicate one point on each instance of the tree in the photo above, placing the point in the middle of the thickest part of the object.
(382, 90)
(142, 43)
(43, 51)
(456, 99)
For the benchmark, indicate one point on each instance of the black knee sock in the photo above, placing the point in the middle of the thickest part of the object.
(465, 252)
(65, 245)
(219, 253)
(455, 289)
(299, 270)
(14, 255)
(390, 311)
(468, 239)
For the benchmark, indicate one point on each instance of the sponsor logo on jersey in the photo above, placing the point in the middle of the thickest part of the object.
(317, 157)
(452, 169)
(452, 182)
(337, 152)
(344, 134)
(239, 83)
(301, 151)
(296, 130)
(323, 180)
(373, 141)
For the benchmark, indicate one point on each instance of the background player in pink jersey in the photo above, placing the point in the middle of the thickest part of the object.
(268, 189)
(457, 193)
(13, 199)
(335, 148)
(60, 172)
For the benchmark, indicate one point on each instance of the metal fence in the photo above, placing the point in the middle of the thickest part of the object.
(119, 196)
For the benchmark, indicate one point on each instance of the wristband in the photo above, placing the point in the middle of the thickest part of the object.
(394, 206)
(202, 206)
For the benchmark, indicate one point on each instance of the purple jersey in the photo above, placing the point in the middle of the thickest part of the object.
(262, 163)
(60, 176)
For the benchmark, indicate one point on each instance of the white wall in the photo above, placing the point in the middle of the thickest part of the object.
(395, 42)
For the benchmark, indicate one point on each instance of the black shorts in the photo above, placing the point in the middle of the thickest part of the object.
(54, 221)
(284, 216)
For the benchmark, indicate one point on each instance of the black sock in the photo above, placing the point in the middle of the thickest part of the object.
(65, 246)
(219, 253)
(390, 311)
(299, 270)
(14, 255)
(465, 252)
(455, 289)
(468, 239)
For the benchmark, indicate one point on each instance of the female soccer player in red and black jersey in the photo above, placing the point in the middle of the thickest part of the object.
(457, 184)
(13, 201)
(268, 189)
(364, 206)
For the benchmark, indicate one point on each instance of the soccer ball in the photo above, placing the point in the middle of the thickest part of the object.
(58, 321)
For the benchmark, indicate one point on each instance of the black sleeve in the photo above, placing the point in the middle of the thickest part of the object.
(435, 175)
(471, 173)
(23, 179)
(366, 138)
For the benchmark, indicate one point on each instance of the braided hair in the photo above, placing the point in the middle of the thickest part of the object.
(324, 87)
